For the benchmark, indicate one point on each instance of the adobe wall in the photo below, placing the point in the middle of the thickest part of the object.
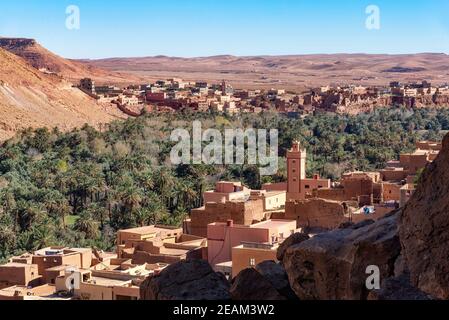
(141, 257)
(126, 292)
(393, 175)
(335, 194)
(26, 275)
(392, 192)
(45, 262)
(243, 213)
(89, 291)
(357, 187)
(316, 213)
(280, 186)
(417, 162)
(51, 275)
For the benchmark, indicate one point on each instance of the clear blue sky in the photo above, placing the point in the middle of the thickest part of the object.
(239, 27)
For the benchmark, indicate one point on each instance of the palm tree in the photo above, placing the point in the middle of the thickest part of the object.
(29, 214)
(42, 235)
(97, 212)
(130, 196)
(56, 204)
(10, 206)
(142, 216)
(155, 209)
(164, 184)
(185, 192)
(7, 241)
(87, 225)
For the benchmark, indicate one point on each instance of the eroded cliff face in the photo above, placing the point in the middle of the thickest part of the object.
(424, 228)
(30, 51)
(30, 98)
(40, 58)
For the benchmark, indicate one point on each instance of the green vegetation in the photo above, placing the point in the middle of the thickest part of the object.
(78, 188)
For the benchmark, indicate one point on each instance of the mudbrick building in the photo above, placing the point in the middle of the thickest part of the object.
(318, 203)
(141, 252)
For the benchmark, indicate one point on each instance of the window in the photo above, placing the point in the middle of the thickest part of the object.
(307, 186)
(281, 235)
(252, 262)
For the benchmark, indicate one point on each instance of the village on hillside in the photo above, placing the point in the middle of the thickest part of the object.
(173, 95)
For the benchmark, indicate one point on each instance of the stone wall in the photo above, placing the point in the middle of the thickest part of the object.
(316, 213)
(243, 213)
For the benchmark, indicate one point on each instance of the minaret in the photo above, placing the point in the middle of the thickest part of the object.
(223, 88)
(296, 171)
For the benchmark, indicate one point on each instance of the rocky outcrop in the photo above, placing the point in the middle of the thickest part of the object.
(333, 265)
(424, 228)
(295, 238)
(249, 284)
(268, 281)
(186, 280)
(277, 276)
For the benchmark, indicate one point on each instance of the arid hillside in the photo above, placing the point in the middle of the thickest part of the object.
(43, 59)
(291, 72)
(30, 98)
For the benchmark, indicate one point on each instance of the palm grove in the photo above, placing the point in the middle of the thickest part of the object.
(78, 188)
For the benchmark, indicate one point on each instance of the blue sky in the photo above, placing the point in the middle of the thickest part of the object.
(240, 27)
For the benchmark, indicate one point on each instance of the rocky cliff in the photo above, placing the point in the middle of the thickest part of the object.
(42, 59)
(424, 228)
(30, 98)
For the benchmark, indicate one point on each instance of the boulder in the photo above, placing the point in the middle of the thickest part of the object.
(186, 280)
(295, 238)
(398, 288)
(249, 284)
(334, 265)
(424, 228)
(276, 275)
